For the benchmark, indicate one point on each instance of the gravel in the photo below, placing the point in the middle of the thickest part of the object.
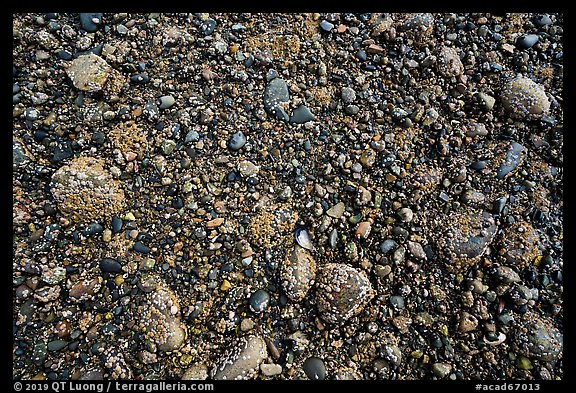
(287, 196)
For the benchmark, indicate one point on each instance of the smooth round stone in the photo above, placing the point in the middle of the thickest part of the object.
(526, 41)
(141, 248)
(397, 302)
(140, 78)
(116, 224)
(87, 21)
(314, 368)
(388, 245)
(208, 26)
(109, 265)
(166, 102)
(522, 97)
(56, 345)
(478, 165)
(64, 55)
(405, 214)
(361, 55)
(326, 26)
(93, 229)
(237, 141)
(259, 301)
(542, 20)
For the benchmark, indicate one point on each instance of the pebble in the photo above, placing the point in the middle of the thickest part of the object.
(166, 102)
(363, 230)
(326, 26)
(248, 168)
(441, 370)
(89, 72)
(405, 214)
(314, 368)
(519, 244)
(237, 141)
(486, 101)
(336, 211)
(297, 273)
(242, 361)
(109, 265)
(388, 245)
(259, 301)
(397, 302)
(526, 41)
(270, 369)
(302, 115)
(341, 292)
(159, 315)
(348, 95)
(535, 337)
(276, 97)
(90, 21)
(140, 78)
(465, 236)
(56, 345)
(141, 248)
(522, 98)
(449, 63)
(468, 322)
(116, 224)
(542, 20)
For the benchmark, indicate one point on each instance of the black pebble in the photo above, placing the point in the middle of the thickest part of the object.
(259, 301)
(314, 368)
(141, 248)
(109, 265)
(116, 224)
(64, 55)
(87, 23)
(140, 78)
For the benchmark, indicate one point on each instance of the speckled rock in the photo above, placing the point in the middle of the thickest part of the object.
(297, 273)
(89, 72)
(197, 372)
(85, 191)
(464, 236)
(519, 244)
(509, 161)
(341, 292)
(522, 98)
(418, 26)
(242, 361)
(159, 316)
(449, 63)
(535, 337)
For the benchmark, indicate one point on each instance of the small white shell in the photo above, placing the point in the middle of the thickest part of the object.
(303, 239)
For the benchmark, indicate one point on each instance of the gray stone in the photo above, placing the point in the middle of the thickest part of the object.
(166, 101)
(514, 156)
(348, 95)
(242, 361)
(526, 41)
(237, 141)
(441, 370)
(301, 115)
(326, 26)
(314, 368)
(276, 98)
(90, 21)
(486, 101)
(197, 372)
(337, 210)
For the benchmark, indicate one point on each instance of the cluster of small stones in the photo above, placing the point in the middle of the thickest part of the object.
(85, 191)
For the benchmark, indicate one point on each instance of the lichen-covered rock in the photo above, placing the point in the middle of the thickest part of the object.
(522, 98)
(537, 338)
(416, 26)
(272, 226)
(85, 191)
(449, 63)
(159, 316)
(297, 273)
(464, 236)
(341, 292)
(242, 361)
(519, 244)
(116, 365)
